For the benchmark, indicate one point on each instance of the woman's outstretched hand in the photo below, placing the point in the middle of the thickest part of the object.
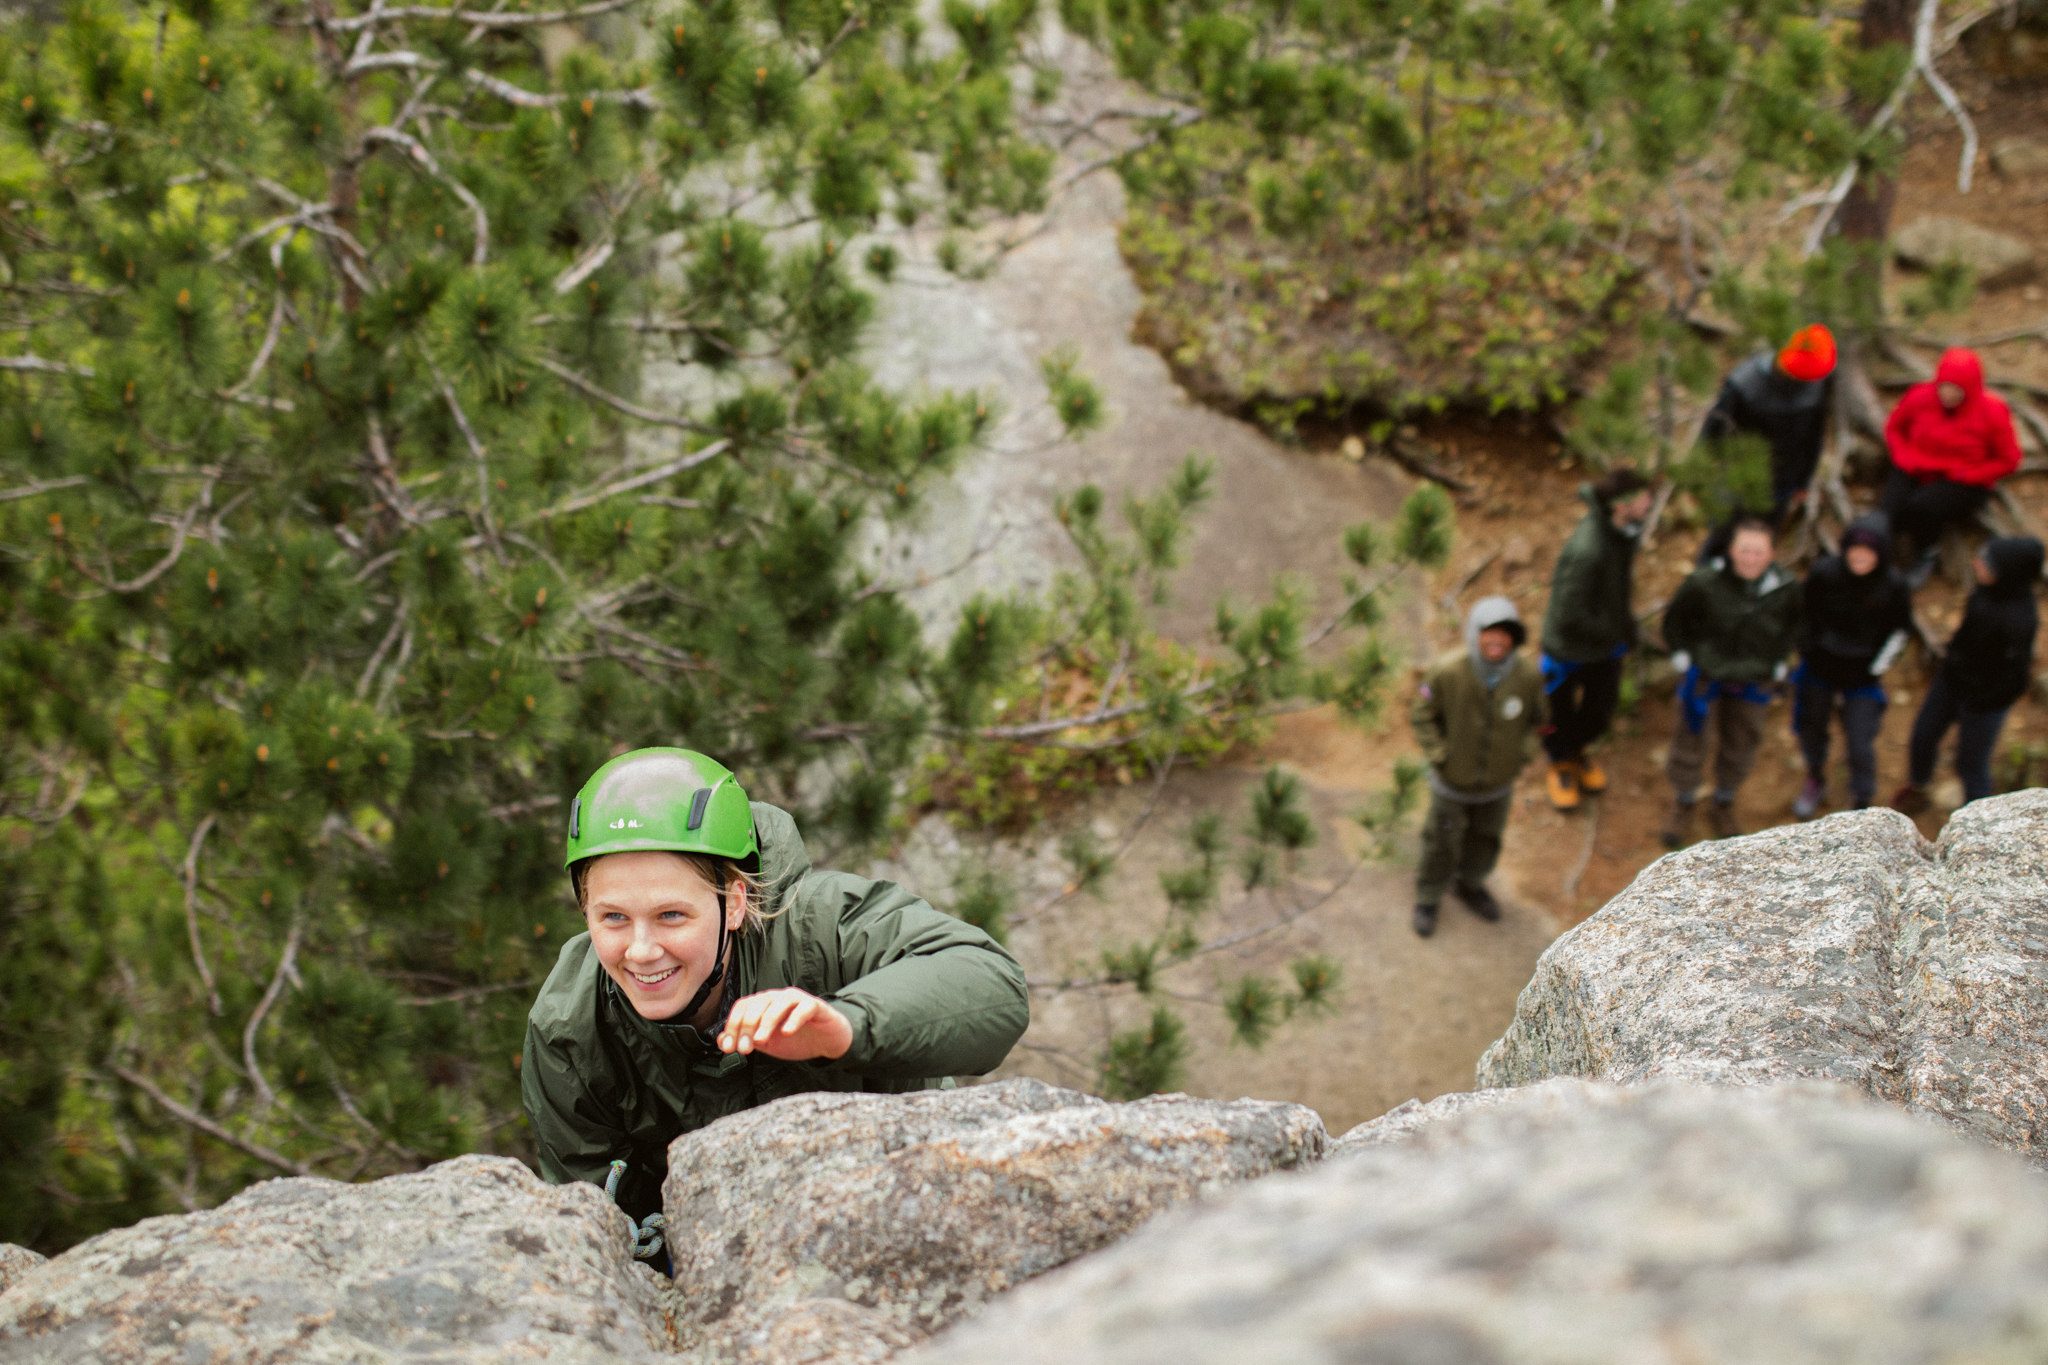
(790, 1024)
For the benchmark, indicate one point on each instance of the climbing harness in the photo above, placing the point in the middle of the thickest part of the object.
(647, 1234)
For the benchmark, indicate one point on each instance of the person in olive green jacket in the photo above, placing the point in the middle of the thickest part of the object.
(1589, 627)
(1478, 714)
(720, 971)
(1730, 627)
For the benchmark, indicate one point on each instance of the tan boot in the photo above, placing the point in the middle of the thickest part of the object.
(1592, 777)
(1563, 785)
(1678, 825)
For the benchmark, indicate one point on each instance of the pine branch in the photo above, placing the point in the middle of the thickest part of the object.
(618, 404)
(267, 1097)
(425, 160)
(30, 490)
(475, 18)
(654, 475)
(194, 1119)
(192, 912)
(642, 98)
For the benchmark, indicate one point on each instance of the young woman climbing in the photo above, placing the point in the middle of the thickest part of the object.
(720, 971)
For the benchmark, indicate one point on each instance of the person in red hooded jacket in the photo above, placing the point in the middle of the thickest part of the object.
(1951, 442)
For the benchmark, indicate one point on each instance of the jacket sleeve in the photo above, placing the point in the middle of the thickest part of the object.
(1898, 432)
(1426, 714)
(1539, 720)
(2001, 445)
(576, 1134)
(1681, 619)
(1725, 418)
(927, 995)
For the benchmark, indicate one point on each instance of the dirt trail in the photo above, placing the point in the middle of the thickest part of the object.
(1414, 1017)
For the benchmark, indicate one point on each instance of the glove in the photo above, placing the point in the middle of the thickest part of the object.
(1681, 660)
(1781, 672)
(1894, 646)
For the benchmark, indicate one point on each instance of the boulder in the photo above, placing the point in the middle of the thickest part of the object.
(1845, 949)
(1668, 1222)
(473, 1260)
(2019, 158)
(843, 1226)
(1993, 258)
(15, 1262)
(1411, 1117)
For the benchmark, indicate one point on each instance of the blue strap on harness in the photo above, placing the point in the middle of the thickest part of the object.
(1696, 694)
(1555, 671)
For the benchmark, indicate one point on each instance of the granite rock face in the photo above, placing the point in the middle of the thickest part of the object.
(1660, 1223)
(1993, 258)
(15, 1262)
(1845, 949)
(1404, 1121)
(473, 1260)
(844, 1226)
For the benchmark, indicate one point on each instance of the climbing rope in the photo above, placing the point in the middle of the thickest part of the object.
(646, 1234)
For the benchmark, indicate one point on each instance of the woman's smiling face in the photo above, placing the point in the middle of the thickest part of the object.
(653, 922)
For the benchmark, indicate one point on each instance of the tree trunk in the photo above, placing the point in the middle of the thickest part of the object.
(1865, 218)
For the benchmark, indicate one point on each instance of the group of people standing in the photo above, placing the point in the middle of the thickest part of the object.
(1482, 711)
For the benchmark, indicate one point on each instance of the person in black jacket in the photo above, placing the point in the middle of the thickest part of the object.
(1782, 397)
(1987, 668)
(1857, 615)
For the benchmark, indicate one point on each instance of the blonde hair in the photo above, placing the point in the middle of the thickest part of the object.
(717, 873)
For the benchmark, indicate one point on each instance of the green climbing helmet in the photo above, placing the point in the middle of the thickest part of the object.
(664, 800)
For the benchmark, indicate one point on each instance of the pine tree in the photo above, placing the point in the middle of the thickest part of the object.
(347, 525)
(406, 408)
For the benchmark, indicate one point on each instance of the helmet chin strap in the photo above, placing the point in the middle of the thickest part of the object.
(711, 982)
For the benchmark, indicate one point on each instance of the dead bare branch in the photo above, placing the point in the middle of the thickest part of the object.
(266, 1097)
(194, 1119)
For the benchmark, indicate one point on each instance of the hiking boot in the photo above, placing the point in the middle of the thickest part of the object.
(1678, 825)
(1592, 777)
(1562, 783)
(1425, 920)
(1807, 804)
(1479, 901)
(1721, 819)
(1910, 800)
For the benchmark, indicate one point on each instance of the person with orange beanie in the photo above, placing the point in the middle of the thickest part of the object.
(1951, 441)
(1781, 397)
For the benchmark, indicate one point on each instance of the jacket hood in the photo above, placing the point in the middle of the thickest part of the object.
(784, 858)
(2017, 562)
(1961, 367)
(1872, 529)
(1489, 612)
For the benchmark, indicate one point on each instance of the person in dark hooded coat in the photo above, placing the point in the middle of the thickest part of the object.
(1783, 398)
(1856, 617)
(1988, 667)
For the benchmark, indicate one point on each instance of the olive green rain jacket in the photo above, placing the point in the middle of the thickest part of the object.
(928, 996)
(1590, 618)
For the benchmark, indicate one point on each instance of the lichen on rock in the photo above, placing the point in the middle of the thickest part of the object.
(474, 1260)
(885, 1218)
(1582, 1222)
(1846, 949)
